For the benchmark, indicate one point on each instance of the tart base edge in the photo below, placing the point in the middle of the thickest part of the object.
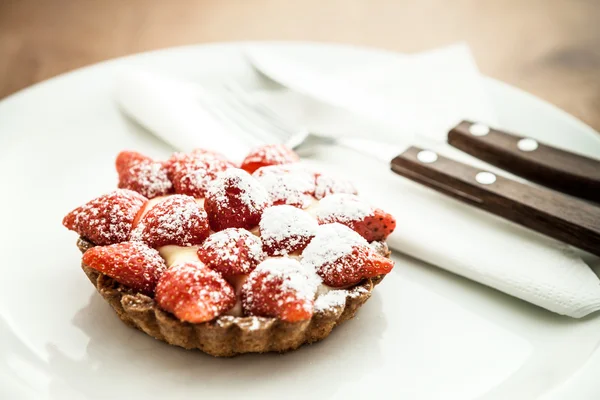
(226, 336)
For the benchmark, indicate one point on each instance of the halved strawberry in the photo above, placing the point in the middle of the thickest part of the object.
(286, 229)
(143, 175)
(271, 154)
(126, 159)
(281, 288)
(106, 219)
(194, 293)
(235, 200)
(132, 264)
(376, 227)
(371, 223)
(290, 184)
(177, 220)
(341, 257)
(191, 173)
(231, 252)
(326, 185)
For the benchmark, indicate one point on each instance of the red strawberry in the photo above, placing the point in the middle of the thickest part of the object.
(235, 200)
(143, 175)
(271, 154)
(341, 257)
(177, 220)
(132, 264)
(326, 185)
(194, 293)
(126, 159)
(371, 223)
(191, 173)
(281, 288)
(231, 252)
(286, 229)
(376, 227)
(290, 184)
(106, 219)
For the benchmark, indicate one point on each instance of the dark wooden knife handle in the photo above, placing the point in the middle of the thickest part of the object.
(557, 169)
(554, 214)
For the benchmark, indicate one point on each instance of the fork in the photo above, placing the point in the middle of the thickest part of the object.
(253, 119)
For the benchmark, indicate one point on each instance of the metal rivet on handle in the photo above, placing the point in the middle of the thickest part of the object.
(427, 156)
(485, 178)
(479, 129)
(527, 144)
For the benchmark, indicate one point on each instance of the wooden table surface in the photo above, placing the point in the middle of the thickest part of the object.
(550, 48)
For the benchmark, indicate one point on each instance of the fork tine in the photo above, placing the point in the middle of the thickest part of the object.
(246, 116)
(260, 110)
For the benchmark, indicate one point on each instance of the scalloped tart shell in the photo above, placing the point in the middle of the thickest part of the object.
(226, 336)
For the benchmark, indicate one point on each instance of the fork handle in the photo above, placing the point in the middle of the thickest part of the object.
(554, 214)
(557, 169)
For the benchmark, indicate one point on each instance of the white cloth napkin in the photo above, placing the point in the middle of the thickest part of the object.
(431, 227)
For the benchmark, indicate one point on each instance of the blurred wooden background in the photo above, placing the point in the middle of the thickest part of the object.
(548, 47)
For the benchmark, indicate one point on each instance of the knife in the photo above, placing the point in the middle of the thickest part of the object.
(549, 212)
(552, 167)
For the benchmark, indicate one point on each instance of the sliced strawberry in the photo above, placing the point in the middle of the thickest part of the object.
(231, 252)
(177, 220)
(191, 173)
(143, 175)
(106, 219)
(286, 229)
(132, 264)
(235, 200)
(326, 185)
(342, 258)
(194, 293)
(290, 184)
(371, 223)
(271, 154)
(281, 288)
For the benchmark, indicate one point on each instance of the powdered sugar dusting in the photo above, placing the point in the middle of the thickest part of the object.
(331, 300)
(302, 281)
(342, 208)
(331, 242)
(176, 220)
(232, 251)
(107, 219)
(327, 185)
(192, 173)
(285, 229)
(288, 184)
(251, 194)
(149, 178)
(277, 282)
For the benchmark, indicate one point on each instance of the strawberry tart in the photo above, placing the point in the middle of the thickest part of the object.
(204, 253)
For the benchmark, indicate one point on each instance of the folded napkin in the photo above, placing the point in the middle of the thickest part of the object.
(431, 227)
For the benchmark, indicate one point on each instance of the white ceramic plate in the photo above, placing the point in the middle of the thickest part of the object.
(424, 334)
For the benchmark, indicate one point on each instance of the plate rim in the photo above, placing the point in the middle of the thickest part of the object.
(583, 379)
